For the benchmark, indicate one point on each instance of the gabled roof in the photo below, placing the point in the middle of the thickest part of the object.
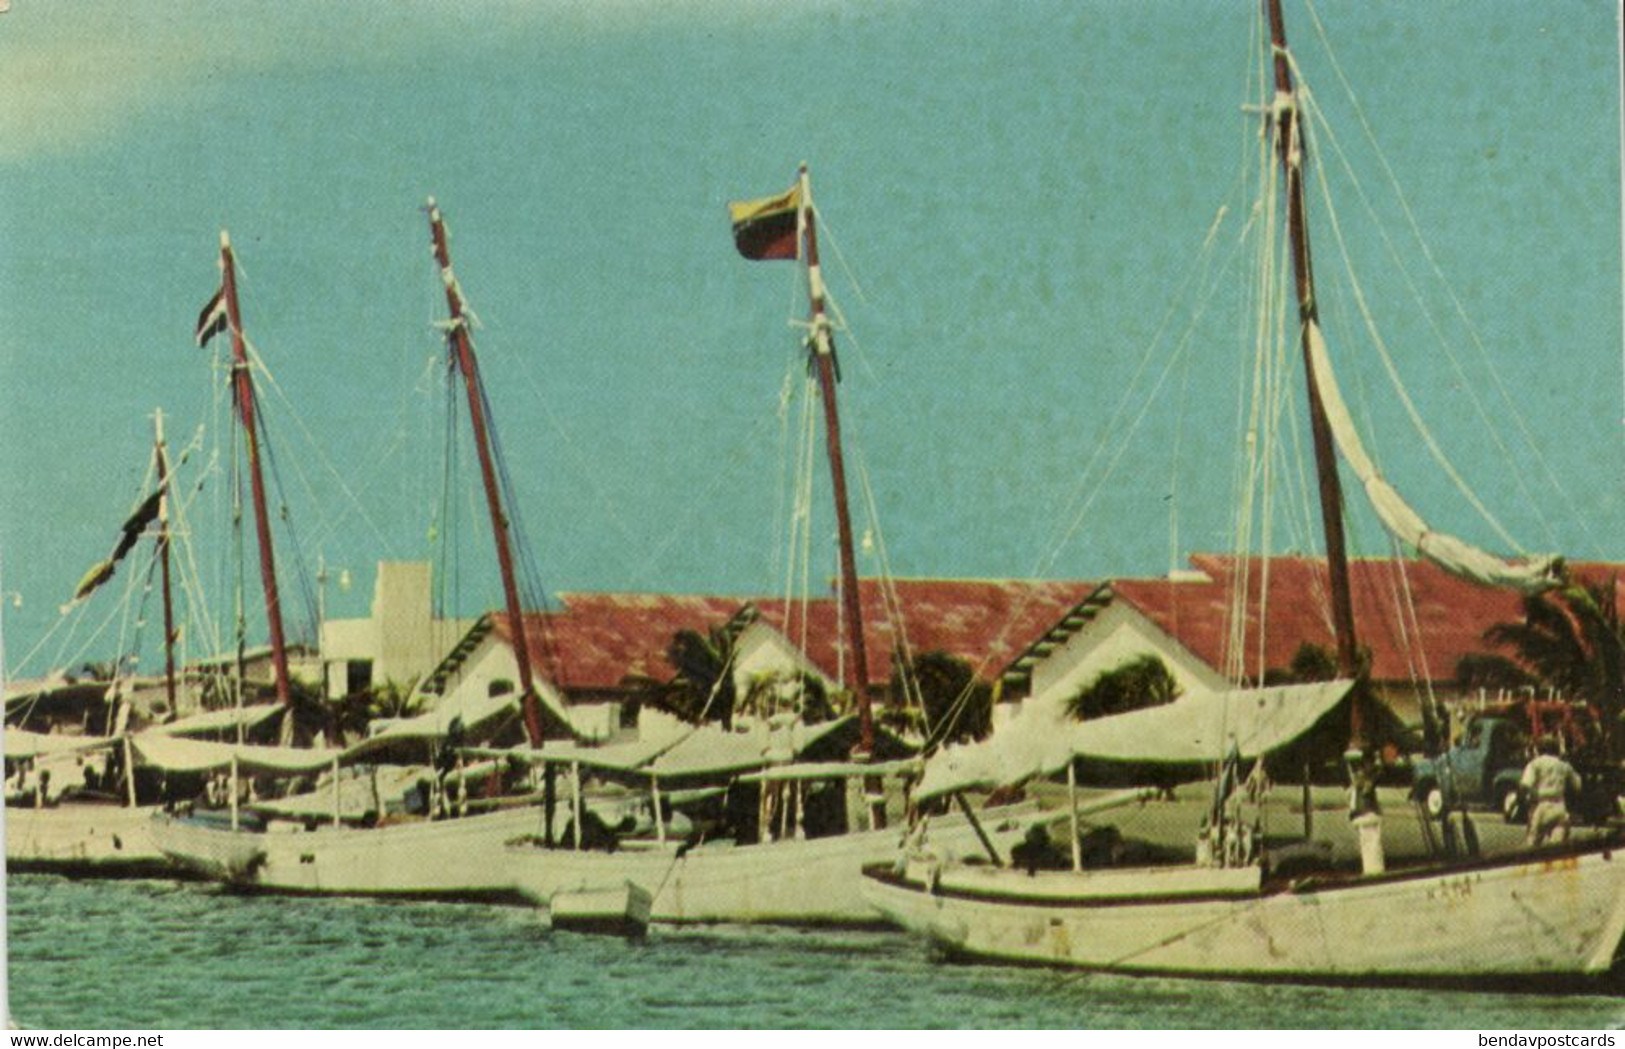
(1019, 672)
(982, 621)
(600, 639)
(1449, 620)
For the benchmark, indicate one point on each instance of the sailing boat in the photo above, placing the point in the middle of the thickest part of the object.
(102, 826)
(97, 828)
(789, 873)
(459, 858)
(1555, 913)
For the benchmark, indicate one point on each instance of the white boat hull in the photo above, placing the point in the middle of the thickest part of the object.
(615, 910)
(443, 859)
(83, 839)
(1559, 914)
(797, 882)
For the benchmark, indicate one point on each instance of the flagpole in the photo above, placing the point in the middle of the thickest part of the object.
(463, 350)
(823, 352)
(244, 386)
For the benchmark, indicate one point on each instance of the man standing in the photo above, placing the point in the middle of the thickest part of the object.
(1546, 781)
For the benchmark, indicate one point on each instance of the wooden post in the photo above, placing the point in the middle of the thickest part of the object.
(1290, 146)
(337, 807)
(129, 769)
(575, 805)
(462, 348)
(1308, 805)
(981, 835)
(660, 816)
(234, 819)
(1072, 811)
(243, 384)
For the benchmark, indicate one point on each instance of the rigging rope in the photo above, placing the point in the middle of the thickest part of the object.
(356, 505)
(1456, 303)
(1358, 293)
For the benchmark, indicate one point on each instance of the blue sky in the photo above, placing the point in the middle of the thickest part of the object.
(1021, 192)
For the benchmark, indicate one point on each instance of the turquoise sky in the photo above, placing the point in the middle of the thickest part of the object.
(1021, 190)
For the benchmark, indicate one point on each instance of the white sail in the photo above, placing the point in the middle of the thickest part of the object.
(20, 744)
(1454, 555)
(173, 754)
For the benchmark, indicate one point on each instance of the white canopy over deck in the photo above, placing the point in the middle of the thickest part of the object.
(1201, 727)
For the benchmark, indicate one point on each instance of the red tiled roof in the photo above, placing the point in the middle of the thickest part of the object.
(600, 638)
(1451, 614)
(983, 621)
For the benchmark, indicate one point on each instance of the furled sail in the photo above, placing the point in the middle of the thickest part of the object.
(1191, 731)
(21, 744)
(1447, 551)
(174, 754)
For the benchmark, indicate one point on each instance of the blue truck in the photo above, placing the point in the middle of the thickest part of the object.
(1484, 768)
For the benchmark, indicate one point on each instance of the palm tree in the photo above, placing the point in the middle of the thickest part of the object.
(1142, 682)
(953, 703)
(783, 691)
(1573, 645)
(703, 688)
(311, 715)
(356, 711)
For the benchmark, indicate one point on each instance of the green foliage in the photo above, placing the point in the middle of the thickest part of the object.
(1569, 640)
(953, 704)
(779, 693)
(704, 665)
(1143, 682)
(1493, 672)
(312, 716)
(1312, 662)
(355, 712)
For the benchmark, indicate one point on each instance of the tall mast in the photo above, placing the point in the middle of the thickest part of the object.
(463, 350)
(1289, 143)
(162, 458)
(244, 386)
(823, 352)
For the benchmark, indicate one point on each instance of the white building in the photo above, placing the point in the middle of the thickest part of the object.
(401, 642)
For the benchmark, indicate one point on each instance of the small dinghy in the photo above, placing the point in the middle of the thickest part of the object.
(613, 910)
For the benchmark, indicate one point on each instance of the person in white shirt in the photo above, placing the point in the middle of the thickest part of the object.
(1546, 782)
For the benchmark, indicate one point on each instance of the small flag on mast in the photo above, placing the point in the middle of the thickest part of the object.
(212, 321)
(129, 532)
(766, 229)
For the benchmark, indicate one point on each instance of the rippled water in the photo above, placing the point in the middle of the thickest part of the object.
(144, 954)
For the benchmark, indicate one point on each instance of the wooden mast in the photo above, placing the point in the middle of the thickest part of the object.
(162, 458)
(243, 383)
(463, 350)
(823, 352)
(1289, 144)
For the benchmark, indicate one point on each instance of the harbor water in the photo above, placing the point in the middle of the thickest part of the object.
(156, 954)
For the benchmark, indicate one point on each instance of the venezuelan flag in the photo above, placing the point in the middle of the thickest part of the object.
(766, 228)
